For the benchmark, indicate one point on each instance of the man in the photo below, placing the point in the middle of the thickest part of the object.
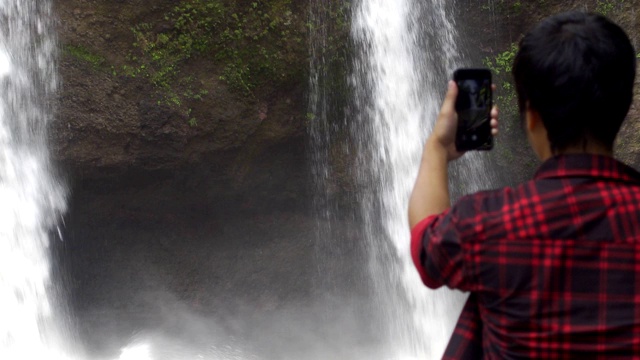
(553, 265)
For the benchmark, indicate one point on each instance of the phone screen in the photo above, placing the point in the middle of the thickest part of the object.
(473, 106)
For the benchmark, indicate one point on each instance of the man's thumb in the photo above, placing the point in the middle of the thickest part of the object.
(449, 104)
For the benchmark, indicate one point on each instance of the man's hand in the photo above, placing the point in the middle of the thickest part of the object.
(430, 194)
(443, 137)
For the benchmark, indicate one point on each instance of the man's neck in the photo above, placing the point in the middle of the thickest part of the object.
(589, 148)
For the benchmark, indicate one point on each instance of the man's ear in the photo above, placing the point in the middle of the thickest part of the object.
(532, 120)
(537, 134)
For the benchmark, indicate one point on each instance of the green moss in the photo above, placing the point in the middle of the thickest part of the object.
(607, 7)
(253, 44)
(500, 65)
(505, 97)
(263, 42)
(159, 56)
(84, 54)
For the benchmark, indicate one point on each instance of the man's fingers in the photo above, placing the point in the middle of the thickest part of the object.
(449, 104)
(494, 121)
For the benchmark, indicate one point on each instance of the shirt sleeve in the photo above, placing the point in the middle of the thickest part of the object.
(437, 252)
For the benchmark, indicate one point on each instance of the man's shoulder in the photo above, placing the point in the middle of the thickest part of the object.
(476, 212)
(490, 200)
(577, 175)
(558, 206)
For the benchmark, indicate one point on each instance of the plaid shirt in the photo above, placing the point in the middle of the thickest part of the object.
(553, 265)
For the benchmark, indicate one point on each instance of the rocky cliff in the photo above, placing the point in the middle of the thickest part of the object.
(122, 111)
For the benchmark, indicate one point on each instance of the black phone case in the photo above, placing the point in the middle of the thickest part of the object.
(467, 136)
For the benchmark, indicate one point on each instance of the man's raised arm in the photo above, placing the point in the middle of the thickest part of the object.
(430, 195)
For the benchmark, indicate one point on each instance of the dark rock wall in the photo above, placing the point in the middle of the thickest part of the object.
(110, 120)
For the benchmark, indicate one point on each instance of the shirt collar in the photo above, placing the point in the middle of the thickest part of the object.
(586, 165)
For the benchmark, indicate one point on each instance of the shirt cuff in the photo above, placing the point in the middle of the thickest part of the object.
(417, 247)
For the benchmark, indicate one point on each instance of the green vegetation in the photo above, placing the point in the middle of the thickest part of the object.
(510, 150)
(259, 45)
(251, 43)
(84, 54)
(500, 65)
(607, 7)
(252, 46)
(517, 6)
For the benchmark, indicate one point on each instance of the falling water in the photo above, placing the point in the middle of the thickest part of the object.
(32, 199)
(407, 51)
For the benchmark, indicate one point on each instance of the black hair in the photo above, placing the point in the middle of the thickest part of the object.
(577, 71)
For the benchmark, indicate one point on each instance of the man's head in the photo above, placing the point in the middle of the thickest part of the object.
(574, 73)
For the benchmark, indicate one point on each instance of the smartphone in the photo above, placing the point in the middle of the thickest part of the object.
(473, 106)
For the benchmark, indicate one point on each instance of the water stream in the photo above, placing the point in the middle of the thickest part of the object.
(32, 198)
(407, 52)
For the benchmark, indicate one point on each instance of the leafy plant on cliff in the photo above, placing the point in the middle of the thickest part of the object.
(82, 53)
(163, 48)
(501, 66)
(505, 97)
(263, 42)
(248, 43)
(607, 7)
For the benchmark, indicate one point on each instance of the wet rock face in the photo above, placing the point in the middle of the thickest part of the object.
(110, 120)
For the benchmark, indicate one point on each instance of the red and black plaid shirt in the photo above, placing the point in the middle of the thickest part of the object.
(553, 265)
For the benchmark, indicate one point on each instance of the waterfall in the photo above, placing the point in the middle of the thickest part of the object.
(406, 53)
(32, 199)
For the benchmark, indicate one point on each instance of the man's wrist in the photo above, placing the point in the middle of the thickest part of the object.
(435, 150)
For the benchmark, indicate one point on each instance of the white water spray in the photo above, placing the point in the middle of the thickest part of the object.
(32, 200)
(407, 54)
